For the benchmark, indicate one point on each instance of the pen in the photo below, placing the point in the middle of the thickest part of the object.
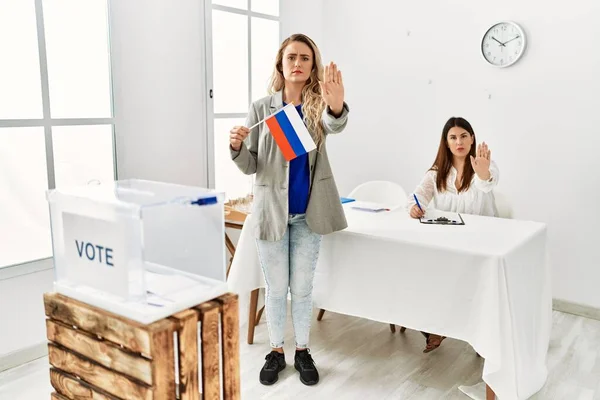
(417, 200)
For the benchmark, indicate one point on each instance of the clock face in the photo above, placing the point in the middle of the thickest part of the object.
(503, 44)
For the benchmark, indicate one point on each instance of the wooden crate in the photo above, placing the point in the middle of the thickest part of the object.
(98, 355)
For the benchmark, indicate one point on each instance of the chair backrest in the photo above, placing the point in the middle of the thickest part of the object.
(384, 192)
(503, 205)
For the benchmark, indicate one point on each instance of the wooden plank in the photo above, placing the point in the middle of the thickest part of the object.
(187, 337)
(102, 352)
(230, 321)
(97, 375)
(72, 388)
(132, 335)
(163, 360)
(56, 396)
(209, 318)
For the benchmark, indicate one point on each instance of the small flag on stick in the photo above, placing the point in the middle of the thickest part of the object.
(289, 132)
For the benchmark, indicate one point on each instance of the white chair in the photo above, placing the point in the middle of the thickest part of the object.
(383, 192)
(503, 205)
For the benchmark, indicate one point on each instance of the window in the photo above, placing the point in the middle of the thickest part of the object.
(242, 44)
(56, 121)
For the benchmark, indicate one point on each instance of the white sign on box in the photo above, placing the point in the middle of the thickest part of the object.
(96, 253)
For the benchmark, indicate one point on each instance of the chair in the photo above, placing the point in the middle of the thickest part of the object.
(503, 205)
(384, 192)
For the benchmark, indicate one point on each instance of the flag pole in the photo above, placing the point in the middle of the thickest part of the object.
(263, 120)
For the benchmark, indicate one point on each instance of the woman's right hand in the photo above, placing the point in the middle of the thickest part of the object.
(237, 136)
(416, 212)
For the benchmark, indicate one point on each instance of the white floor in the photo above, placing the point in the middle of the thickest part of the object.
(361, 359)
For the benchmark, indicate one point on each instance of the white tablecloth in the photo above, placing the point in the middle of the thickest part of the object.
(487, 283)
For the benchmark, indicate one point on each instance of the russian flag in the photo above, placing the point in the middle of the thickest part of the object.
(290, 133)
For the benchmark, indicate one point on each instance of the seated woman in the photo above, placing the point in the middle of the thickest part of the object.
(461, 180)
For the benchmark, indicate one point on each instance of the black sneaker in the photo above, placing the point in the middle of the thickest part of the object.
(304, 363)
(270, 371)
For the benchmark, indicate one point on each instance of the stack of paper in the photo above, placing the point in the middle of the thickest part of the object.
(370, 207)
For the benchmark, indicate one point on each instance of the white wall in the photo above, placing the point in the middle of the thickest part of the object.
(302, 17)
(409, 66)
(24, 293)
(158, 64)
(22, 320)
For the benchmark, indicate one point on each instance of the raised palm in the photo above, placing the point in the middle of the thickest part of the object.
(481, 161)
(332, 87)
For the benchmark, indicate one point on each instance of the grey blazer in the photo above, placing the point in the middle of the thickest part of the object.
(261, 155)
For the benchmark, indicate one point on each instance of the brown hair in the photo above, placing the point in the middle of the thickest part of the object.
(443, 160)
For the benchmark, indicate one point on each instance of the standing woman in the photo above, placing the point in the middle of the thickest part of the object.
(295, 202)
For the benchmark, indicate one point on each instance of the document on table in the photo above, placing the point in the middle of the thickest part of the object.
(437, 217)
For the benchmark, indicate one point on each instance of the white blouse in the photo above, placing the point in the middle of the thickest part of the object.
(478, 199)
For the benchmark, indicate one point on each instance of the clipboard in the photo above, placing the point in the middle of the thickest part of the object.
(442, 220)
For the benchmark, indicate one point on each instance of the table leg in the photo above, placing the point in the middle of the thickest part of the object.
(260, 312)
(320, 316)
(252, 315)
(489, 393)
(231, 248)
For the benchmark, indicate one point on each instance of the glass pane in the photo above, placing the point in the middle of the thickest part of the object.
(228, 177)
(20, 82)
(82, 155)
(24, 219)
(265, 43)
(78, 58)
(230, 62)
(270, 7)
(242, 4)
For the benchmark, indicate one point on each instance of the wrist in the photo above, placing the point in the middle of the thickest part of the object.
(336, 111)
(486, 176)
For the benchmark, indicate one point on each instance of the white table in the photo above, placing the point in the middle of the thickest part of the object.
(487, 283)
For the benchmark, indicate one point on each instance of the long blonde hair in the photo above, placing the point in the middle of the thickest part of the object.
(312, 102)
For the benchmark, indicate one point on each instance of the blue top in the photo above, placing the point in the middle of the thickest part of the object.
(299, 184)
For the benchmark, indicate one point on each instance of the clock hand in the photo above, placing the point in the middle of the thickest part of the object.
(516, 37)
(501, 44)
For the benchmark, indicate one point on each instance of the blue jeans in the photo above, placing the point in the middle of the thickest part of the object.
(290, 262)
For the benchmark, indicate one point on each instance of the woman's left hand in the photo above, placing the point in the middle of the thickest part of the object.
(481, 163)
(332, 89)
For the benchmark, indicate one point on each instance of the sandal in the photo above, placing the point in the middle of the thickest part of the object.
(433, 342)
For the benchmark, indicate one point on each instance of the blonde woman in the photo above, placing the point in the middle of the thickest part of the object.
(295, 202)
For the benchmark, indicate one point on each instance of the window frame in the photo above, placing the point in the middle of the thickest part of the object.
(211, 115)
(47, 122)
